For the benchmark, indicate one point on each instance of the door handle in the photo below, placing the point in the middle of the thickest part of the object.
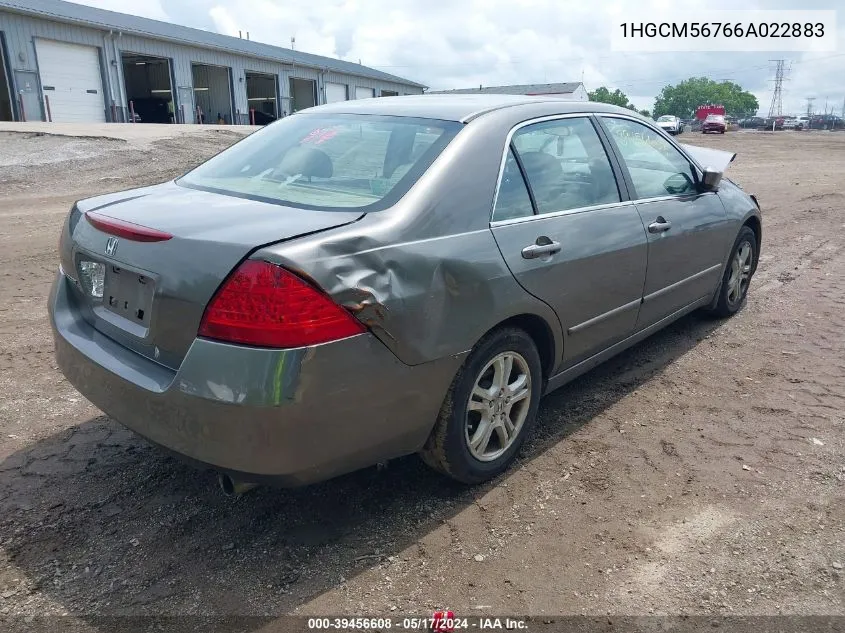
(547, 247)
(660, 225)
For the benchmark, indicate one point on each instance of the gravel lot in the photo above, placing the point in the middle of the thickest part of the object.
(700, 472)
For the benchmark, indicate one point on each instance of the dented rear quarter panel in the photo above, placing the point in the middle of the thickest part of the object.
(426, 275)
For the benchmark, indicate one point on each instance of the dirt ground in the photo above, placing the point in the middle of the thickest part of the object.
(700, 472)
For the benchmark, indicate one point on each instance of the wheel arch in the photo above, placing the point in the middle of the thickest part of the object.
(753, 222)
(538, 328)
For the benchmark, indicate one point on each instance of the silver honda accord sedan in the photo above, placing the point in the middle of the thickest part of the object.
(370, 279)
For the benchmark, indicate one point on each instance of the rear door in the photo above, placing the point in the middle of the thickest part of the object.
(569, 236)
(687, 229)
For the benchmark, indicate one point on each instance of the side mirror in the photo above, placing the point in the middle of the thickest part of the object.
(677, 184)
(711, 179)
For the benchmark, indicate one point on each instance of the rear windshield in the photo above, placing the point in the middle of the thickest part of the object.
(331, 161)
(666, 117)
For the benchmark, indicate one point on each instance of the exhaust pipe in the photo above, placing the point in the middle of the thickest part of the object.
(233, 487)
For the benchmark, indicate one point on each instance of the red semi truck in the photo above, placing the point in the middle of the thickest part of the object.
(702, 111)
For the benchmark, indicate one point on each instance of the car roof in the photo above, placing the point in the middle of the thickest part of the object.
(457, 107)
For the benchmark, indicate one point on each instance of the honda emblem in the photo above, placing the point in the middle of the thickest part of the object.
(111, 246)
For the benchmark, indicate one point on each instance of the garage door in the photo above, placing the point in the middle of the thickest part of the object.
(364, 93)
(70, 78)
(335, 92)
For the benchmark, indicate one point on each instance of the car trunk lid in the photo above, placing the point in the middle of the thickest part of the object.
(153, 293)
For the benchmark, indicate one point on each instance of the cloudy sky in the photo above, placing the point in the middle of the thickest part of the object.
(448, 44)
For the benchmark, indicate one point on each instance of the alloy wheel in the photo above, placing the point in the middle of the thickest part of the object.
(498, 405)
(740, 272)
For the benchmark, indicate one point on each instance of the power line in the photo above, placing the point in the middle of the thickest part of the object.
(776, 108)
(629, 82)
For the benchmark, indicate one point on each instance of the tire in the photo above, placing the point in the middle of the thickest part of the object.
(448, 449)
(731, 299)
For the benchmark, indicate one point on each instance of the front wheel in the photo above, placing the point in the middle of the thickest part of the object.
(489, 408)
(737, 277)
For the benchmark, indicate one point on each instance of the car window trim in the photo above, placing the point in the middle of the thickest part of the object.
(698, 170)
(621, 190)
(562, 212)
(508, 148)
(525, 181)
(625, 188)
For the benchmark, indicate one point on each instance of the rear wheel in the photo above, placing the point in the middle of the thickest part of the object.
(489, 409)
(737, 277)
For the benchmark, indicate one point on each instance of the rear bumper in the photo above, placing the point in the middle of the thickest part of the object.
(294, 416)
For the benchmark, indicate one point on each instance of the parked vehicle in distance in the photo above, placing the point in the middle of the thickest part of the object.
(774, 123)
(792, 123)
(754, 122)
(151, 110)
(826, 122)
(703, 111)
(373, 278)
(670, 124)
(262, 118)
(714, 123)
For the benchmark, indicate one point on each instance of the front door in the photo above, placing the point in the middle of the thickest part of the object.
(568, 237)
(687, 228)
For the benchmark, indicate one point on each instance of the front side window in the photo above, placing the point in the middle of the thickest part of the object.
(328, 162)
(657, 168)
(566, 165)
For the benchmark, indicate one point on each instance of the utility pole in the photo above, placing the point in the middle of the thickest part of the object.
(776, 108)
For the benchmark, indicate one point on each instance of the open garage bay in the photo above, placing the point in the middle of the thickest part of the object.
(149, 88)
(699, 472)
(262, 95)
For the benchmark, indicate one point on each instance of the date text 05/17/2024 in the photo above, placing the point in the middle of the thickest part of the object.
(445, 622)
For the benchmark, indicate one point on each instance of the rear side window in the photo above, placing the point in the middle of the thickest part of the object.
(328, 162)
(566, 165)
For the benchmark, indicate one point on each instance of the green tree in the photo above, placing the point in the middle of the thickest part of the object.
(683, 99)
(646, 113)
(617, 97)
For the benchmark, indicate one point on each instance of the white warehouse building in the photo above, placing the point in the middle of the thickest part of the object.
(66, 62)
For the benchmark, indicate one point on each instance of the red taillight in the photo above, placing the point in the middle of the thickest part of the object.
(265, 305)
(128, 230)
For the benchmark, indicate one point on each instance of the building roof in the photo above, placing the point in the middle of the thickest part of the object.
(101, 19)
(457, 107)
(520, 89)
